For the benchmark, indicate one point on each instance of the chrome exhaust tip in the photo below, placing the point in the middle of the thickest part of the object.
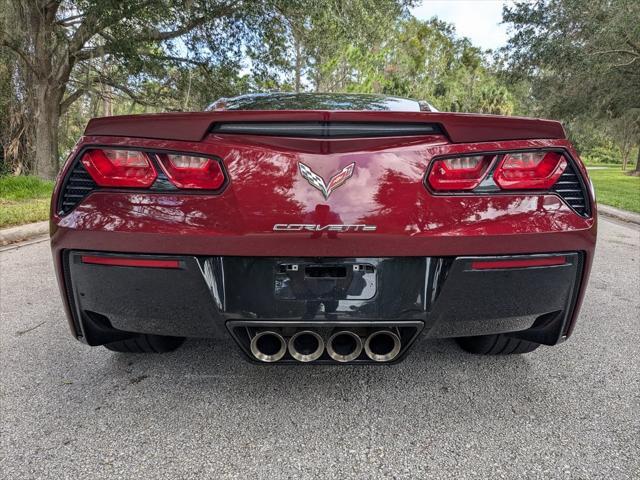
(344, 346)
(306, 346)
(382, 346)
(268, 346)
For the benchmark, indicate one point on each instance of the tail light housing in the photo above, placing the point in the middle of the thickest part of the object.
(533, 170)
(192, 172)
(459, 173)
(529, 170)
(119, 168)
(139, 169)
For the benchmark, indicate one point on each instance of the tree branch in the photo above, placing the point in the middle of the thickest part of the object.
(154, 35)
(633, 45)
(148, 36)
(13, 45)
(67, 102)
(72, 20)
(127, 91)
(617, 50)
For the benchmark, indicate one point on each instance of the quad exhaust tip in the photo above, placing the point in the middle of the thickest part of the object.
(344, 346)
(306, 346)
(382, 346)
(268, 346)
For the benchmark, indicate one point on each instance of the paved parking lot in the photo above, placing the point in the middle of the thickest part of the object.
(70, 411)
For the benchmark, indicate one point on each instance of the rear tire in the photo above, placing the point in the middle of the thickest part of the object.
(498, 344)
(146, 343)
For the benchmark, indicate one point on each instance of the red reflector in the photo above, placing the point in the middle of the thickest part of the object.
(131, 262)
(529, 170)
(119, 168)
(193, 172)
(518, 263)
(460, 173)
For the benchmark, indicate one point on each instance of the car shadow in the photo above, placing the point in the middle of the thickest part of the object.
(434, 365)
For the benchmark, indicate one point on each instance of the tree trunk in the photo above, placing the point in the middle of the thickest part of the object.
(637, 169)
(46, 131)
(298, 65)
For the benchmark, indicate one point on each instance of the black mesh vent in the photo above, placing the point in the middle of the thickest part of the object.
(572, 190)
(79, 184)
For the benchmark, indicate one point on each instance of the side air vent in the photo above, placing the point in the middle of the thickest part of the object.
(78, 185)
(571, 189)
(327, 129)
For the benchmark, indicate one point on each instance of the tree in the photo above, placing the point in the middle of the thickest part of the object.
(309, 32)
(63, 47)
(163, 52)
(580, 57)
(423, 60)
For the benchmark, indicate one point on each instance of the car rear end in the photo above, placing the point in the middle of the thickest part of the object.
(323, 236)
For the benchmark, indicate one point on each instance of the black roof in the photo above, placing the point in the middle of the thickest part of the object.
(320, 101)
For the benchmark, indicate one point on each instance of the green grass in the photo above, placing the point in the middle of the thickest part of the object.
(24, 200)
(613, 187)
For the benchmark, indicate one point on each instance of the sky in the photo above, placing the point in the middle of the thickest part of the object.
(477, 19)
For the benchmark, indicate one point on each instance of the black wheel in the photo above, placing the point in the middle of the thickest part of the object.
(498, 344)
(146, 344)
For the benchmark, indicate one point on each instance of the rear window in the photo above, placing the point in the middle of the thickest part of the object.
(318, 101)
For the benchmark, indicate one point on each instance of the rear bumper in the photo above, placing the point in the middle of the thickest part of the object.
(197, 296)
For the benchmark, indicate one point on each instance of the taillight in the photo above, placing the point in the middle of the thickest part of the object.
(190, 171)
(529, 170)
(119, 168)
(460, 173)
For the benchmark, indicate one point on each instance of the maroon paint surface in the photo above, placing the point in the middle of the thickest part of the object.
(460, 127)
(265, 188)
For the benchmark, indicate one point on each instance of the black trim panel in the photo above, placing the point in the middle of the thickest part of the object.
(327, 129)
(200, 297)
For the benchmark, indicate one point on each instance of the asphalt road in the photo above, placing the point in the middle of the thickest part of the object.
(70, 411)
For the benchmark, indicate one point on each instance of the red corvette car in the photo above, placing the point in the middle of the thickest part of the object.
(324, 228)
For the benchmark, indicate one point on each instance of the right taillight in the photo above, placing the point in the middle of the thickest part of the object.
(533, 170)
(119, 168)
(529, 170)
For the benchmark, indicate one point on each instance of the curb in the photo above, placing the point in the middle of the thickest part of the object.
(23, 232)
(623, 215)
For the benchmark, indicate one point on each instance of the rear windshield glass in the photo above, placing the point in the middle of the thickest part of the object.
(316, 101)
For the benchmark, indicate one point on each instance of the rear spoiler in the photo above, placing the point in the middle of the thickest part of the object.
(194, 126)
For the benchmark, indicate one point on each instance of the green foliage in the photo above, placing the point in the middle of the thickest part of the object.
(616, 188)
(24, 187)
(579, 61)
(423, 60)
(602, 154)
(23, 199)
(582, 55)
(19, 213)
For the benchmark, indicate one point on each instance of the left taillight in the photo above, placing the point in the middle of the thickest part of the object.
(119, 168)
(139, 169)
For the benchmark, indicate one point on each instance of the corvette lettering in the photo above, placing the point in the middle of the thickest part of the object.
(300, 227)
